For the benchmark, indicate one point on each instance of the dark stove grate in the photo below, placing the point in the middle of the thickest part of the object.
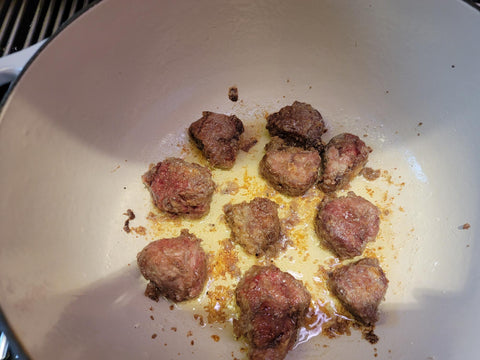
(474, 3)
(25, 22)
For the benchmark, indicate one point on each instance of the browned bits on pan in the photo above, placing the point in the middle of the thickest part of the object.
(369, 335)
(216, 338)
(225, 261)
(198, 317)
(131, 216)
(370, 174)
(154, 336)
(218, 300)
(466, 226)
(337, 326)
(233, 93)
(140, 230)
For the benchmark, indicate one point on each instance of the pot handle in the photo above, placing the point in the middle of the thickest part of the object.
(12, 65)
(3, 346)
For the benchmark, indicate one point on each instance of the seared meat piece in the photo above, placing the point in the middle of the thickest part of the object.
(360, 287)
(180, 187)
(345, 156)
(299, 124)
(217, 136)
(273, 305)
(255, 226)
(289, 170)
(176, 267)
(233, 93)
(346, 224)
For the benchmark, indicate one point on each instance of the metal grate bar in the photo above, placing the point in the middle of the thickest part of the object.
(7, 20)
(60, 13)
(73, 8)
(33, 26)
(46, 21)
(23, 23)
(16, 25)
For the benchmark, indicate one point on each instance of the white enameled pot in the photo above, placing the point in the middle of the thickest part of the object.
(111, 92)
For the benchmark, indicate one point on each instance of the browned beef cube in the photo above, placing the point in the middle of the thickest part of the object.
(180, 187)
(255, 226)
(289, 170)
(217, 136)
(346, 224)
(299, 125)
(360, 287)
(176, 267)
(345, 156)
(273, 305)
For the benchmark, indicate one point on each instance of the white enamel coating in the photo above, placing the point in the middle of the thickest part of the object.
(109, 94)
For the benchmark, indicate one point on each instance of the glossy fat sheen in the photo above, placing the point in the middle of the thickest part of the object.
(360, 287)
(273, 305)
(255, 226)
(289, 170)
(299, 124)
(180, 187)
(176, 267)
(346, 224)
(217, 136)
(344, 157)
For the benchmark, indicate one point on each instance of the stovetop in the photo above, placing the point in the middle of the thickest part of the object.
(24, 24)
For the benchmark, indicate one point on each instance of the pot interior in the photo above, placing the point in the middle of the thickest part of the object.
(117, 88)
